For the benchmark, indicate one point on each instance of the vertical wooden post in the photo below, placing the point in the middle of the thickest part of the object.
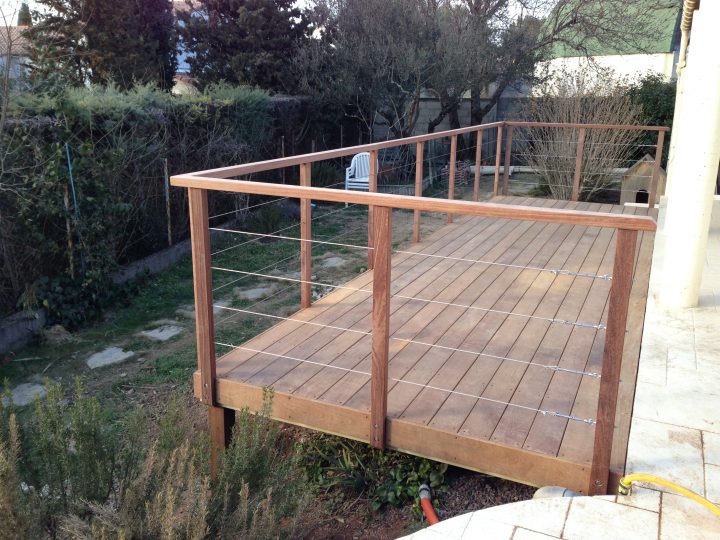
(380, 326)
(305, 240)
(498, 153)
(372, 187)
(204, 324)
(508, 154)
(282, 154)
(580, 148)
(451, 173)
(478, 165)
(167, 202)
(622, 279)
(418, 187)
(656, 169)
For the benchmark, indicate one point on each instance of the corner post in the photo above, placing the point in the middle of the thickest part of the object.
(305, 240)
(451, 173)
(220, 419)
(372, 187)
(508, 154)
(419, 157)
(622, 279)
(380, 326)
(578, 165)
(478, 166)
(656, 169)
(498, 154)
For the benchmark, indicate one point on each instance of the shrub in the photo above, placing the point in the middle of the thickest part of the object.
(88, 479)
(387, 477)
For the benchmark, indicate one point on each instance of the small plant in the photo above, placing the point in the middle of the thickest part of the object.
(387, 477)
(267, 219)
(325, 174)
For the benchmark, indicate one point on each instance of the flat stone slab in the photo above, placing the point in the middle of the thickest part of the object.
(256, 293)
(333, 262)
(188, 311)
(108, 357)
(25, 394)
(162, 333)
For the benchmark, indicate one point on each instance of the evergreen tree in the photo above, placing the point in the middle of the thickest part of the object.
(80, 41)
(243, 41)
(24, 18)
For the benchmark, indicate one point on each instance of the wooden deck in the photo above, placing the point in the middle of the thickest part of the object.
(446, 401)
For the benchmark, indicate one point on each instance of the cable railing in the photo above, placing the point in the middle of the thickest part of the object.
(379, 248)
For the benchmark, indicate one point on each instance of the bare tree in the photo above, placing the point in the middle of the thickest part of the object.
(586, 97)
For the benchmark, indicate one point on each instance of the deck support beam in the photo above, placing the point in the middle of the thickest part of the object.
(478, 165)
(498, 154)
(419, 157)
(380, 325)
(305, 240)
(372, 188)
(580, 148)
(508, 155)
(221, 421)
(612, 360)
(451, 173)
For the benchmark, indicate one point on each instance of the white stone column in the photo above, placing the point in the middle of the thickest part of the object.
(697, 136)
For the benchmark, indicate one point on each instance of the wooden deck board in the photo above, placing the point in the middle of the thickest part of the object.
(441, 385)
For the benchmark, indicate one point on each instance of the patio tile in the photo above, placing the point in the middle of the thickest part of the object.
(643, 498)
(526, 534)
(669, 451)
(711, 447)
(684, 518)
(678, 403)
(545, 516)
(591, 518)
(712, 483)
(482, 527)
(454, 527)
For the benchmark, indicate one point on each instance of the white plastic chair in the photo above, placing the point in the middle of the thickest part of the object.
(357, 175)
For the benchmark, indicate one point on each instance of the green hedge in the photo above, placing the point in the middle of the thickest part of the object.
(118, 143)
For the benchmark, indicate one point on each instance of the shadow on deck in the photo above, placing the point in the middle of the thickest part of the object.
(492, 367)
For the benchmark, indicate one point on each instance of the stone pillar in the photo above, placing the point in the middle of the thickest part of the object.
(695, 163)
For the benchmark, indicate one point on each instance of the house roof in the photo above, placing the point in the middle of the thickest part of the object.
(12, 39)
(663, 22)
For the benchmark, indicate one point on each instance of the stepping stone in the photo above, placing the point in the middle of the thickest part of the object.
(108, 357)
(333, 262)
(188, 311)
(24, 394)
(255, 293)
(162, 333)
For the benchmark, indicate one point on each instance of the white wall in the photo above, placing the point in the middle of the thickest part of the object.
(625, 66)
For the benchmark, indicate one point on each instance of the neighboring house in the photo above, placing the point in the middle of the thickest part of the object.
(13, 49)
(656, 54)
(184, 81)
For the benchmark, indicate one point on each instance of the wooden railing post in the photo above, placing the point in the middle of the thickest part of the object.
(221, 420)
(372, 187)
(656, 169)
(380, 325)
(451, 173)
(478, 165)
(419, 150)
(498, 154)
(578, 164)
(622, 279)
(508, 155)
(305, 239)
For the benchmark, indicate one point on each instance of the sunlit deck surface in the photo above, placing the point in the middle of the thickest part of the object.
(452, 405)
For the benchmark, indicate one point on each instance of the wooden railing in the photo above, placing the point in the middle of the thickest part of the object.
(380, 243)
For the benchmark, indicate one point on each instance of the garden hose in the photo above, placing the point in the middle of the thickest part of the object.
(426, 504)
(626, 483)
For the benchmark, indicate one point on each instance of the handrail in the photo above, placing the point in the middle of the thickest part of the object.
(627, 127)
(424, 204)
(270, 164)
